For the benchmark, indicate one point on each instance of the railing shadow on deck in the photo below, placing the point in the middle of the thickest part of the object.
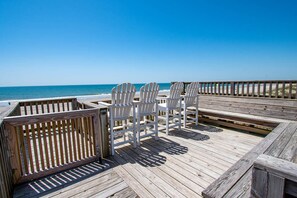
(55, 182)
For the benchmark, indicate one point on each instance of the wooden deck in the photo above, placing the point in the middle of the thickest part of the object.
(269, 170)
(182, 164)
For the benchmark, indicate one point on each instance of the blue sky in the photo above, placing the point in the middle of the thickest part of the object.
(52, 42)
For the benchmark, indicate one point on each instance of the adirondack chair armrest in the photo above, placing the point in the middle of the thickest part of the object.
(168, 99)
(184, 96)
(135, 102)
(105, 104)
(161, 98)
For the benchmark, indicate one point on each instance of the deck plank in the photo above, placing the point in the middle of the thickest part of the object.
(131, 157)
(126, 192)
(222, 185)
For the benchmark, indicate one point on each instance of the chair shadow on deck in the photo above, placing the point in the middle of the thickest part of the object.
(207, 128)
(189, 134)
(149, 154)
(56, 182)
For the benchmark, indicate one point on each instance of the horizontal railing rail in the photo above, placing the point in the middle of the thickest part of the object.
(43, 144)
(285, 89)
(33, 107)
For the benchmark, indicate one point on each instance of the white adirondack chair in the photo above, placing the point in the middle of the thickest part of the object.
(172, 104)
(190, 103)
(120, 110)
(147, 106)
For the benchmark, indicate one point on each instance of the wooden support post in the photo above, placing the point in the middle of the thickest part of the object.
(97, 136)
(242, 89)
(290, 90)
(211, 89)
(14, 152)
(232, 88)
(276, 90)
(296, 90)
(264, 89)
(204, 87)
(184, 88)
(270, 89)
(74, 104)
(16, 110)
(276, 186)
(104, 132)
(259, 92)
(259, 183)
(283, 90)
(271, 175)
(219, 88)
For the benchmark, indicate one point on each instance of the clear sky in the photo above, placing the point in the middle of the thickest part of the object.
(47, 42)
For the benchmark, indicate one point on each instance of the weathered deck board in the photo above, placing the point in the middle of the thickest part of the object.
(249, 176)
(182, 164)
(221, 186)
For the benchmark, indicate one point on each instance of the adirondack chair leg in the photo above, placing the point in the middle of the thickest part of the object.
(197, 115)
(179, 118)
(111, 136)
(125, 137)
(134, 128)
(167, 121)
(156, 126)
(185, 116)
(138, 130)
(144, 125)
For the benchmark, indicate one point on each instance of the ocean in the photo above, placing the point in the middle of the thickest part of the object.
(33, 92)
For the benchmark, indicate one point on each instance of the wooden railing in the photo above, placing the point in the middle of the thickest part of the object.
(33, 107)
(47, 143)
(270, 89)
(274, 177)
(6, 183)
(6, 172)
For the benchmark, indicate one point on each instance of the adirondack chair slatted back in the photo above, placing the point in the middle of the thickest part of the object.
(122, 97)
(175, 93)
(191, 93)
(148, 95)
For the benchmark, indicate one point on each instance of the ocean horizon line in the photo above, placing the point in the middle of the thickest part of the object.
(40, 92)
(59, 85)
(80, 97)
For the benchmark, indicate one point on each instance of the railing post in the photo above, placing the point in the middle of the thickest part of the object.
(104, 132)
(13, 152)
(232, 89)
(74, 104)
(98, 136)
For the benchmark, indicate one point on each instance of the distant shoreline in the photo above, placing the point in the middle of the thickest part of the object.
(81, 97)
(44, 92)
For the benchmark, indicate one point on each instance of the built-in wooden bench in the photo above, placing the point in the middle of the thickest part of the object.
(259, 115)
(269, 172)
